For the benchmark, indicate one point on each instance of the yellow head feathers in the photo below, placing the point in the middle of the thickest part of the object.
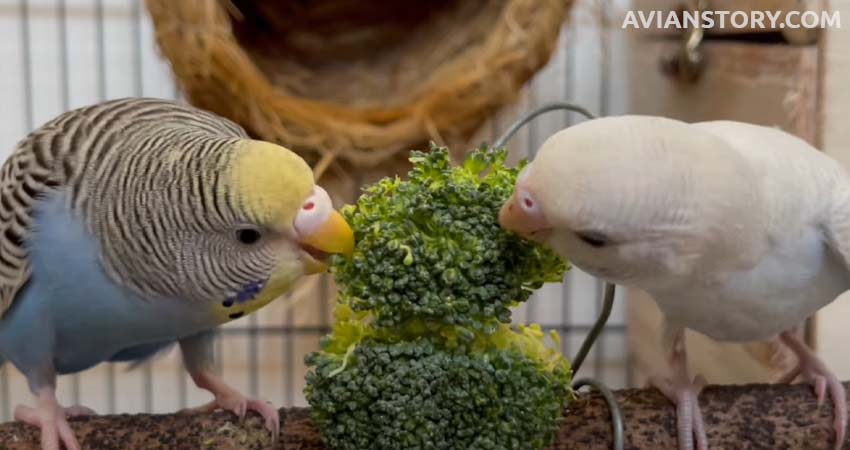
(269, 182)
(273, 188)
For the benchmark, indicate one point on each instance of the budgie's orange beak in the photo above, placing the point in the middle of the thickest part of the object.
(333, 236)
(322, 231)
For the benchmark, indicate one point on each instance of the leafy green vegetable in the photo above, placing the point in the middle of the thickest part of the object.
(431, 247)
(421, 355)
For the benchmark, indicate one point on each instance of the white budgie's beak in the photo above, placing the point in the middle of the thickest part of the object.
(320, 230)
(522, 213)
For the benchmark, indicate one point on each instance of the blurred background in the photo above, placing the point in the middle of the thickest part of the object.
(62, 54)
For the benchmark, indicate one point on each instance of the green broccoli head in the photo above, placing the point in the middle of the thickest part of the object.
(431, 248)
(404, 389)
(421, 355)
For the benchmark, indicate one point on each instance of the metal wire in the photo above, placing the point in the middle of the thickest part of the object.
(610, 289)
(138, 90)
(598, 326)
(611, 400)
(604, 100)
(528, 117)
(531, 144)
(569, 60)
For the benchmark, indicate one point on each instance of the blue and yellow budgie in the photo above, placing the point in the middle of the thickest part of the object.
(134, 224)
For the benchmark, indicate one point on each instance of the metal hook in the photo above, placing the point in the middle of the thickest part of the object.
(608, 299)
(596, 330)
(607, 394)
(611, 400)
(689, 62)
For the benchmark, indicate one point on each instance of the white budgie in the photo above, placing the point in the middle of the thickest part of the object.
(738, 231)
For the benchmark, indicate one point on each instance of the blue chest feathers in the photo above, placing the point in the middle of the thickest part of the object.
(71, 312)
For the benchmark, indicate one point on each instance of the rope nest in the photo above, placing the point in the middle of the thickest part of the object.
(349, 84)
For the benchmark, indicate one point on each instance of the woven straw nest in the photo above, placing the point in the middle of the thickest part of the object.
(348, 84)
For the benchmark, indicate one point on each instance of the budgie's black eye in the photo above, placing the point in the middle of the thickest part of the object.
(248, 235)
(593, 239)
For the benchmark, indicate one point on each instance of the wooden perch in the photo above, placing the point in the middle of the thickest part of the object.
(737, 417)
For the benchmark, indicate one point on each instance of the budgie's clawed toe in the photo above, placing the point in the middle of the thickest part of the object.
(811, 369)
(683, 391)
(229, 399)
(689, 424)
(50, 417)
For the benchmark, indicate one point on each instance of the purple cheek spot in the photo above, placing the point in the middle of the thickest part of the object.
(246, 294)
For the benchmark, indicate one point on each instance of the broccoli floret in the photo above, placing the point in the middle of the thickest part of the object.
(421, 355)
(385, 389)
(431, 247)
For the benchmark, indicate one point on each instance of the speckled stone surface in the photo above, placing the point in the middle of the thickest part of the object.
(753, 417)
(217, 431)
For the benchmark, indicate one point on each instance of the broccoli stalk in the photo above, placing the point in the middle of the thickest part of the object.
(421, 355)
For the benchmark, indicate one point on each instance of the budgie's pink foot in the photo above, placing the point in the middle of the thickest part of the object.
(811, 369)
(684, 393)
(50, 417)
(230, 399)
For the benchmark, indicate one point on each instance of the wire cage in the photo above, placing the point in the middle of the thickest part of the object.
(63, 54)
